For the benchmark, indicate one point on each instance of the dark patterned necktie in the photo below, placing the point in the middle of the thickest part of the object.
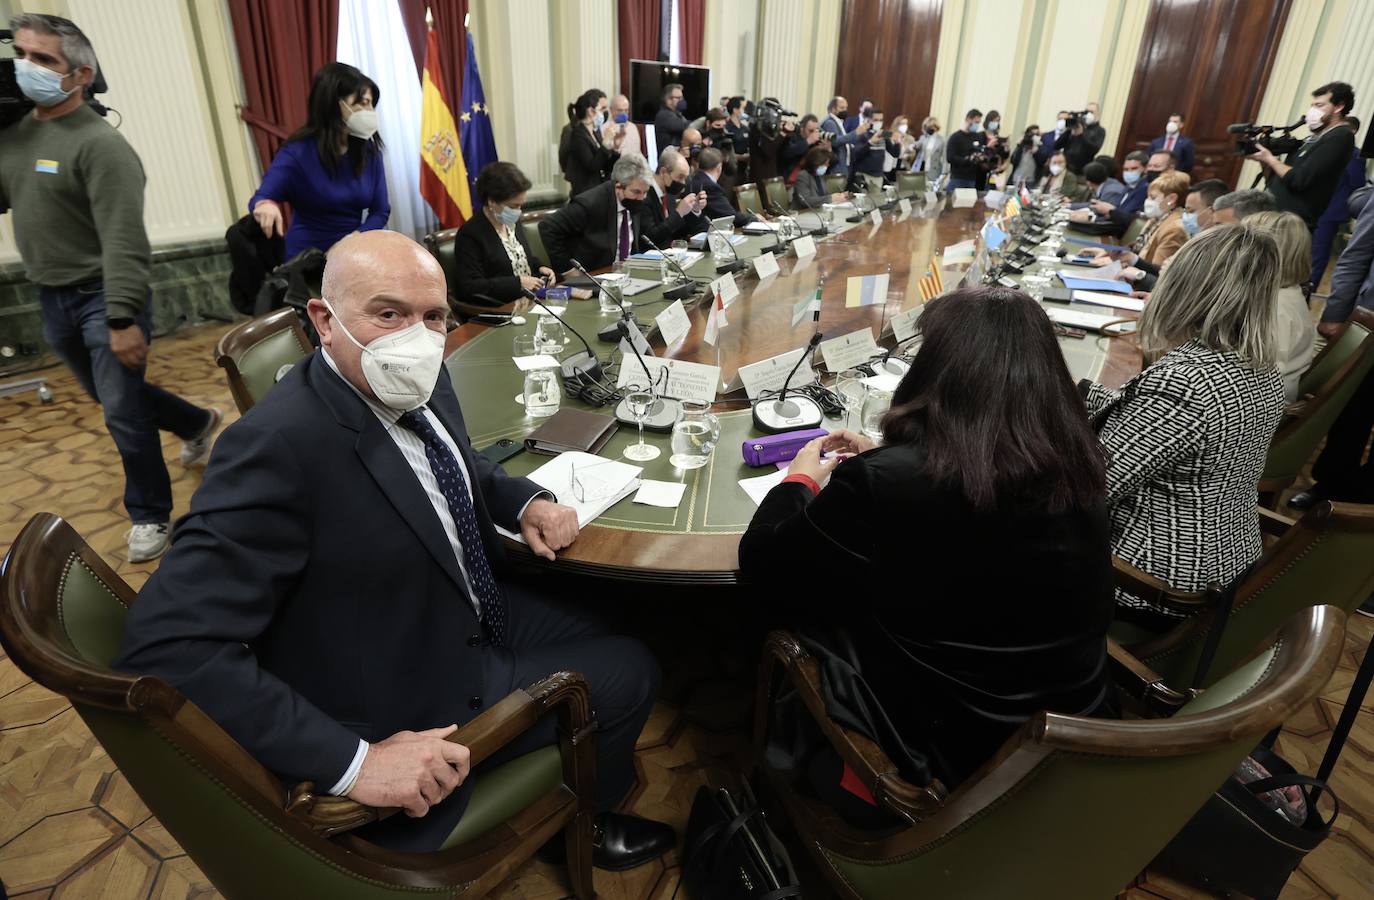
(455, 490)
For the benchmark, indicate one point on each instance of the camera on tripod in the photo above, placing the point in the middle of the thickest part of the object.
(1252, 136)
(13, 104)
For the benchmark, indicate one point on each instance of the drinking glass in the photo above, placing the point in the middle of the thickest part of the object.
(720, 247)
(850, 388)
(695, 434)
(550, 335)
(828, 215)
(542, 395)
(525, 345)
(876, 405)
(640, 401)
(556, 299)
(611, 294)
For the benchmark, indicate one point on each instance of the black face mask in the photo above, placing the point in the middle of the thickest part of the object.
(929, 130)
(1150, 176)
(717, 133)
(676, 188)
(632, 204)
(842, 113)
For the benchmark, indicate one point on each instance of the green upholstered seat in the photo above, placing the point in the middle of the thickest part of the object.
(500, 793)
(255, 353)
(873, 186)
(532, 237)
(834, 183)
(1133, 231)
(1331, 359)
(779, 197)
(260, 364)
(910, 184)
(747, 198)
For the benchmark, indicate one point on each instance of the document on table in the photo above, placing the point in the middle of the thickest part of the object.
(758, 487)
(600, 482)
(1115, 301)
(1087, 273)
(1075, 283)
(540, 361)
(667, 494)
(1075, 319)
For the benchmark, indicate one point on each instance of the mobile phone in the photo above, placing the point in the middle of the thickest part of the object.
(502, 450)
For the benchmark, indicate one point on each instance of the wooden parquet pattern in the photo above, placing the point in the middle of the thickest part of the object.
(70, 826)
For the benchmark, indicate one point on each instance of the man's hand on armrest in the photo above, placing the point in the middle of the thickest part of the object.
(412, 770)
(547, 526)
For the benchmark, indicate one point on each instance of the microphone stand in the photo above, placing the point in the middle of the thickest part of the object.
(782, 414)
(580, 367)
(611, 332)
(823, 231)
(682, 292)
(728, 268)
(654, 420)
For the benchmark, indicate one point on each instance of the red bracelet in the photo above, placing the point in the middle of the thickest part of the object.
(806, 480)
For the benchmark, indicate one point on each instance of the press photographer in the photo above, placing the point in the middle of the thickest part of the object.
(1086, 137)
(1305, 181)
(966, 153)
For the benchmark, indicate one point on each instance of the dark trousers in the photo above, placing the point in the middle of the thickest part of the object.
(1323, 237)
(74, 324)
(1338, 471)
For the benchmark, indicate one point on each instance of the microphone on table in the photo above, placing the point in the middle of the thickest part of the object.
(782, 212)
(663, 414)
(823, 231)
(580, 367)
(682, 291)
(728, 268)
(611, 332)
(782, 414)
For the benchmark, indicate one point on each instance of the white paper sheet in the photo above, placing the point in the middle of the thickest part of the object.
(1115, 301)
(666, 494)
(757, 488)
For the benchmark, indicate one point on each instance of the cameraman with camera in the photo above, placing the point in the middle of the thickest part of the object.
(1086, 137)
(774, 145)
(1305, 181)
(75, 188)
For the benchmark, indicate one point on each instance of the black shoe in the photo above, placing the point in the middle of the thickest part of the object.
(1367, 608)
(1305, 499)
(619, 842)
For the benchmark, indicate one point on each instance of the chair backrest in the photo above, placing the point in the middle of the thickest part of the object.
(1337, 353)
(834, 183)
(529, 223)
(443, 245)
(1133, 231)
(253, 354)
(779, 197)
(1326, 557)
(747, 198)
(911, 184)
(61, 620)
(1298, 435)
(873, 185)
(1075, 807)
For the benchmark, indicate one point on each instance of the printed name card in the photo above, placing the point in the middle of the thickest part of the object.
(727, 287)
(904, 323)
(848, 351)
(876, 218)
(675, 378)
(904, 207)
(765, 266)
(673, 324)
(804, 247)
(769, 374)
(641, 343)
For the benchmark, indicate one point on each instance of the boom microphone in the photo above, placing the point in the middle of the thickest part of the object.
(782, 414)
(580, 367)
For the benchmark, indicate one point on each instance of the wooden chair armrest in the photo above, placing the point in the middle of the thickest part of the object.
(1272, 523)
(1142, 684)
(515, 713)
(1141, 584)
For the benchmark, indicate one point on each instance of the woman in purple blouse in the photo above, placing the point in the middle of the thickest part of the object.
(330, 170)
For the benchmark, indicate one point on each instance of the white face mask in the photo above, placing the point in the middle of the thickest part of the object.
(1153, 208)
(362, 123)
(1060, 124)
(403, 367)
(1171, 128)
(1089, 118)
(1314, 119)
(901, 129)
(1056, 169)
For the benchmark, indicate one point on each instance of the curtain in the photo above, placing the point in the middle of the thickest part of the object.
(692, 20)
(639, 20)
(448, 24)
(372, 36)
(280, 46)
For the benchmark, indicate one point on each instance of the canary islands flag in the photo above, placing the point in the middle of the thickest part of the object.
(443, 174)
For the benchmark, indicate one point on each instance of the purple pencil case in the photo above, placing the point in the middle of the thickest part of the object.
(776, 448)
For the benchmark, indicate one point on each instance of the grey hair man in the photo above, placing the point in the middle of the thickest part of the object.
(1237, 205)
(602, 225)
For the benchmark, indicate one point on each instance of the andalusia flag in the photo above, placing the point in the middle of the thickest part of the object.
(443, 176)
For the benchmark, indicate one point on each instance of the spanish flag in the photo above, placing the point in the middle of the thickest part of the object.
(443, 175)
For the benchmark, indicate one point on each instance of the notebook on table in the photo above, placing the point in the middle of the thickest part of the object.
(571, 429)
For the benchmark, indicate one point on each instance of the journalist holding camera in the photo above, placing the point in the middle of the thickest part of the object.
(1304, 182)
(75, 190)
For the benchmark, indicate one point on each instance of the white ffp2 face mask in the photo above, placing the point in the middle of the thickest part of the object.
(1314, 119)
(401, 368)
(362, 123)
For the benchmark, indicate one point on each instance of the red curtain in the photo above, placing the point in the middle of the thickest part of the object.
(691, 18)
(639, 22)
(281, 45)
(453, 45)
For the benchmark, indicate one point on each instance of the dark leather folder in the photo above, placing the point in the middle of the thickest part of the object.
(571, 429)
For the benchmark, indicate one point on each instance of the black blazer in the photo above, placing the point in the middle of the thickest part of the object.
(585, 162)
(481, 265)
(587, 230)
(717, 202)
(311, 598)
(663, 228)
(966, 624)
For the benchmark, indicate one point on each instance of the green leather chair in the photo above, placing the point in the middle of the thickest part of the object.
(1307, 422)
(441, 244)
(779, 197)
(873, 186)
(61, 618)
(254, 353)
(834, 183)
(1134, 231)
(747, 199)
(1327, 556)
(1335, 355)
(1069, 807)
(529, 223)
(911, 184)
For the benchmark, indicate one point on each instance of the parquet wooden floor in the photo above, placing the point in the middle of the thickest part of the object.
(70, 826)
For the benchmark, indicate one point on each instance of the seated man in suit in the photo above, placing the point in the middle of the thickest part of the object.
(600, 226)
(337, 598)
(1173, 141)
(1101, 186)
(672, 213)
(709, 165)
(1138, 171)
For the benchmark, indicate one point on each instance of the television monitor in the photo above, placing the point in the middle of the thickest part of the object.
(647, 79)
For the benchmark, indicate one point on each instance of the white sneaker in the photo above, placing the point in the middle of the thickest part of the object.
(147, 541)
(197, 450)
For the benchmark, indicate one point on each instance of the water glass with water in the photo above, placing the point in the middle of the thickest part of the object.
(695, 434)
(850, 388)
(542, 393)
(550, 335)
(876, 405)
(612, 292)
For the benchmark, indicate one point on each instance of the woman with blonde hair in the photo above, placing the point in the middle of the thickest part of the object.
(1186, 439)
(1296, 335)
(1164, 209)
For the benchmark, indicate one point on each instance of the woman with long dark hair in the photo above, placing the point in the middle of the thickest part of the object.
(967, 557)
(330, 170)
(585, 160)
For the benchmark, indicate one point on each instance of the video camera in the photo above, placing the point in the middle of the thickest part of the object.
(768, 115)
(13, 104)
(1253, 136)
(1074, 119)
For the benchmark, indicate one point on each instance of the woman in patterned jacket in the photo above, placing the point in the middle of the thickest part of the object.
(1186, 439)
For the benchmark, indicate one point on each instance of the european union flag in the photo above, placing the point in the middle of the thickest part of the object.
(474, 125)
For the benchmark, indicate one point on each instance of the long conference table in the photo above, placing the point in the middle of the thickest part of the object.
(697, 543)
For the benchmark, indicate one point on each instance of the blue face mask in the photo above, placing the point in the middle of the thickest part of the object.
(1190, 223)
(622, 118)
(975, 127)
(821, 170)
(599, 121)
(42, 86)
(1131, 177)
(682, 106)
(508, 216)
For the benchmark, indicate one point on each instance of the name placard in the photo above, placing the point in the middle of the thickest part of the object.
(765, 265)
(673, 324)
(769, 374)
(803, 247)
(904, 323)
(674, 377)
(848, 351)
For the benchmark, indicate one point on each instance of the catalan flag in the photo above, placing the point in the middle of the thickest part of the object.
(443, 174)
(932, 284)
(1012, 209)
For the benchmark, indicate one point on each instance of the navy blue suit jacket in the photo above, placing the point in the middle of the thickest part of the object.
(1183, 151)
(717, 204)
(311, 597)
